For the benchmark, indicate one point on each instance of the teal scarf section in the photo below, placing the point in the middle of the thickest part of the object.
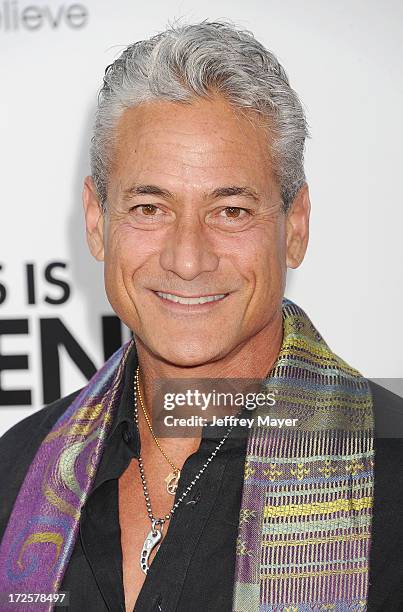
(306, 513)
(305, 518)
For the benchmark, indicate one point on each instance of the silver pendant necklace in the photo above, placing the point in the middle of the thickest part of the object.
(154, 536)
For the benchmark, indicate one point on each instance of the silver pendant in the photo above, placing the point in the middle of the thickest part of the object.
(152, 540)
(172, 482)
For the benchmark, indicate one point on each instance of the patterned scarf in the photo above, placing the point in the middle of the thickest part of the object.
(305, 519)
(305, 522)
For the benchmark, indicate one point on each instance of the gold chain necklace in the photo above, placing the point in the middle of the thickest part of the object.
(154, 537)
(173, 477)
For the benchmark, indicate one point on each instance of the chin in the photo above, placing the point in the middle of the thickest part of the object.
(187, 355)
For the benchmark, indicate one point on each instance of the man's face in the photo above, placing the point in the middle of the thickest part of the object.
(193, 209)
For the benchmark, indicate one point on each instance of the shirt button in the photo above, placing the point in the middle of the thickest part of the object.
(127, 436)
(195, 499)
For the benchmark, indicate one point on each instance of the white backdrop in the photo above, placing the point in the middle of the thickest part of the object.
(345, 59)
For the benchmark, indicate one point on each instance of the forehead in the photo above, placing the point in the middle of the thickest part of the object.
(204, 143)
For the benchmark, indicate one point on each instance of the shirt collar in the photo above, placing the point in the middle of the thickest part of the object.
(125, 410)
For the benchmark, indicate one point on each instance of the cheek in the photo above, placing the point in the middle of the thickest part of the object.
(120, 258)
(127, 249)
(262, 257)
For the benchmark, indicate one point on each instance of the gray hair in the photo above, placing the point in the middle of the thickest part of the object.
(198, 60)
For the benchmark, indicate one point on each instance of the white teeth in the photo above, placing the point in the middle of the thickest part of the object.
(190, 300)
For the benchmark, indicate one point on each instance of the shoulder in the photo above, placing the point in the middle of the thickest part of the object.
(18, 447)
(388, 412)
(382, 394)
(388, 446)
(35, 426)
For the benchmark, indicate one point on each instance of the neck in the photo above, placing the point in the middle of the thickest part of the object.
(252, 359)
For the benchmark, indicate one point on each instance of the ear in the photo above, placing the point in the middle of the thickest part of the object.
(94, 219)
(297, 227)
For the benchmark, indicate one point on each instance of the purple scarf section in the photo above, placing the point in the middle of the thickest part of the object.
(42, 528)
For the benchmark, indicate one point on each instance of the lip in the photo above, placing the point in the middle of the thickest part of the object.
(189, 308)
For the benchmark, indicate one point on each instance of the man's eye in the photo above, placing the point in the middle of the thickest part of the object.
(234, 213)
(148, 210)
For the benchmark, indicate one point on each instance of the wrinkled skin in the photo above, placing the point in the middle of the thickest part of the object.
(191, 239)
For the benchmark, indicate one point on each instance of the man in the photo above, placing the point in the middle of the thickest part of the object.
(197, 205)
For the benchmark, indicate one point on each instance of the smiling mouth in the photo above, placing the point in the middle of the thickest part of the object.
(189, 301)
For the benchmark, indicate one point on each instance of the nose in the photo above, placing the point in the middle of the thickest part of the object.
(187, 251)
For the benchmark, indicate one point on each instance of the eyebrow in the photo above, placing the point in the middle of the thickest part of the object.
(219, 192)
(222, 192)
(147, 190)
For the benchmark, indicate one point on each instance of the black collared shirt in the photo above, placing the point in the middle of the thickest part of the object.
(193, 570)
(196, 559)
